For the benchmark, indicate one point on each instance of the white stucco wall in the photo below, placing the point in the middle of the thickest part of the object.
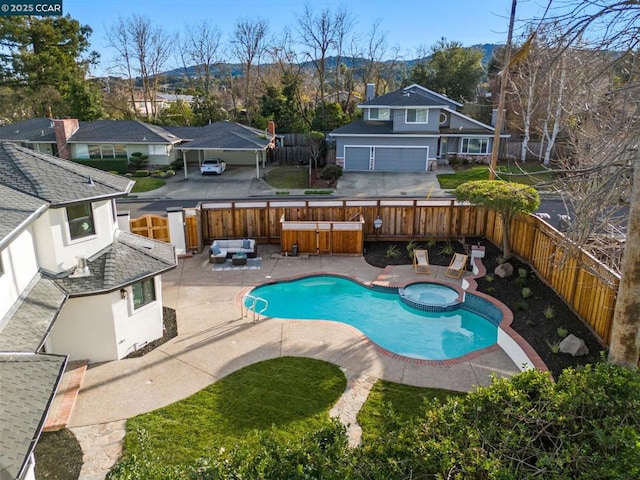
(135, 328)
(84, 329)
(20, 265)
(57, 252)
(105, 327)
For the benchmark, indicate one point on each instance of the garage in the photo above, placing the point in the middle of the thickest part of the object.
(401, 159)
(356, 159)
(386, 159)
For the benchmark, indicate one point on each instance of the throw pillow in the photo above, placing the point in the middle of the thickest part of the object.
(246, 244)
(215, 250)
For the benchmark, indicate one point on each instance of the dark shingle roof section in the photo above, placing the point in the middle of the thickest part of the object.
(32, 130)
(122, 131)
(25, 326)
(412, 96)
(28, 384)
(360, 127)
(16, 209)
(228, 135)
(130, 258)
(55, 180)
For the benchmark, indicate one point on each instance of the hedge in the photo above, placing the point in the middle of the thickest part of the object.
(108, 165)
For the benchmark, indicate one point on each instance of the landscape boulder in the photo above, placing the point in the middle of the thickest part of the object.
(503, 270)
(574, 345)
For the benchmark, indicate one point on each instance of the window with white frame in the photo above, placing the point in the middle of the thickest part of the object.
(80, 218)
(107, 150)
(475, 145)
(158, 150)
(379, 114)
(144, 292)
(417, 115)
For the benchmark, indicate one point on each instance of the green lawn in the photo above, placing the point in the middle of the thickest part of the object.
(292, 395)
(145, 184)
(405, 401)
(528, 173)
(289, 176)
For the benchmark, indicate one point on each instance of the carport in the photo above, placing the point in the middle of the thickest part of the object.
(234, 143)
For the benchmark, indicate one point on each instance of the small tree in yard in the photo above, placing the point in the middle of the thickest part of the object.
(317, 145)
(508, 199)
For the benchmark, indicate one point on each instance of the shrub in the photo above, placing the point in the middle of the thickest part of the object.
(141, 173)
(549, 312)
(554, 347)
(523, 272)
(489, 277)
(392, 251)
(177, 165)
(411, 246)
(562, 332)
(521, 306)
(526, 292)
(331, 172)
(118, 165)
(138, 160)
(447, 249)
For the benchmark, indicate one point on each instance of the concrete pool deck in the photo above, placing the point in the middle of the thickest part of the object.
(215, 339)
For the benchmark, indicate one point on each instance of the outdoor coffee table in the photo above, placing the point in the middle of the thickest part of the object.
(239, 258)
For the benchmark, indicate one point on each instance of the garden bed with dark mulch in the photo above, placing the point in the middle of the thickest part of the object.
(541, 318)
(169, 330)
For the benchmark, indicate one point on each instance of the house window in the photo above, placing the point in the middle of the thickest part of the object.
(417, 115)
(80, 218)
(107, 151)
(144, 292)
(379, 114)
(158, 150)
(475, 145)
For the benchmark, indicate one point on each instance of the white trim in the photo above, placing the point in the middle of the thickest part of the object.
(406, 114)
(378, 118)
(386, 135)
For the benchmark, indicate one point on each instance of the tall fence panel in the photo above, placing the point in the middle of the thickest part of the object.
(151, 226)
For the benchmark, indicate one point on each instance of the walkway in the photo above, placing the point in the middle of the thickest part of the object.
(215, 340)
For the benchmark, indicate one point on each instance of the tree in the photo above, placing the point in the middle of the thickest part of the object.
(508, 199)
(451, 70)
(43, 58)
(602, 169)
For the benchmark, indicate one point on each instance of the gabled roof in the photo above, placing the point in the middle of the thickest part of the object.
(54, 180)
(129, 259)
(228, 136)
(360, 127)
(28, 383)
(411, 96)
(122, 131)
(25, 327)
(17, 211)
(32, 130)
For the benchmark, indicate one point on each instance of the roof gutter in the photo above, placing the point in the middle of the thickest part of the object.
(17, 231)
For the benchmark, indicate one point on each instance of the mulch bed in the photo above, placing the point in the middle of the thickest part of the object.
(169, 330)
(529, 319)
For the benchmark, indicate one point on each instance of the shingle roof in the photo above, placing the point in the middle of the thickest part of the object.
(360, 127)
(25, 326)
(33, 130)
(28, 384)
(122, 131)
(55, 180)
(16, 209)
(228, 135)
(130, 258)
(411, 96)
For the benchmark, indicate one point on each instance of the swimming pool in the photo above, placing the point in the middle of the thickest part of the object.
(380, 315)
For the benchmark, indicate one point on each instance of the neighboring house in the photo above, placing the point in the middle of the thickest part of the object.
(159, 103)
(237, 144)
(410, 130)
(72, 285)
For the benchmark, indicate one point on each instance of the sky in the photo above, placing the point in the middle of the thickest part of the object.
(408, 24)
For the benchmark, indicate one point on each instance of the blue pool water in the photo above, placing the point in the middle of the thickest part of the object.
(381, 316)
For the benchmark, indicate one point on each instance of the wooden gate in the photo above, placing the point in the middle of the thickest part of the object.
(151, 226)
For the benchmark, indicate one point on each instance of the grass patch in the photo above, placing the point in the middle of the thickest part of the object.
(318, 192)
(289, 396)
(146, 184)
(390, 402)
(525, 173)
(288, 177)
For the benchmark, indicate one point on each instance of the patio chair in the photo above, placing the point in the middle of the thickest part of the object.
(457, 266)
(421, 261)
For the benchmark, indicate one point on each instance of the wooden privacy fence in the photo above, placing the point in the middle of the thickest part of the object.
(587, 286)
(151, 226)
(320, 238)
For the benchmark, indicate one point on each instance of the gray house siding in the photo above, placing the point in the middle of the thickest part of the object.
(432, 125)
(456, 121)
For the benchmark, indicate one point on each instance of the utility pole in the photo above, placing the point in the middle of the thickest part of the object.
(504, 78)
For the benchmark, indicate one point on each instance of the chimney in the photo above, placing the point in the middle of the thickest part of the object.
(371, 92)
(64, 129)
(82, 268)
(271, 127)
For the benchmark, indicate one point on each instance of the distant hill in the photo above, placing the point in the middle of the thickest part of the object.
(177, 74)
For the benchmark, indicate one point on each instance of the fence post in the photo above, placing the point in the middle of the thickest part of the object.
(123, 221)
(175, 215)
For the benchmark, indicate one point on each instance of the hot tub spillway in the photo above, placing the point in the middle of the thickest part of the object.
(430, 297)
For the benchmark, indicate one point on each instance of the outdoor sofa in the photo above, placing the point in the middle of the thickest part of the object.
(221, 249)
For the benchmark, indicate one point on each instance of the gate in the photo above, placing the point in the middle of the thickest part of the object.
(151, 226)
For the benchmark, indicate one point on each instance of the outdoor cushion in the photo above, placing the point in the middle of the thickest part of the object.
(215, 250)
(246, 244)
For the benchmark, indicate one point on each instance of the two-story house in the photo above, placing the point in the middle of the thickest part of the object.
(410, 130)
(73, 285)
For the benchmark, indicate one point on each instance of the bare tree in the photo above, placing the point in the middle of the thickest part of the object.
(120, 40)
(249, 43)
(200, 54)
(603, 170)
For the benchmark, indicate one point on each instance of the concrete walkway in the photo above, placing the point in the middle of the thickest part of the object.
(215, 340)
